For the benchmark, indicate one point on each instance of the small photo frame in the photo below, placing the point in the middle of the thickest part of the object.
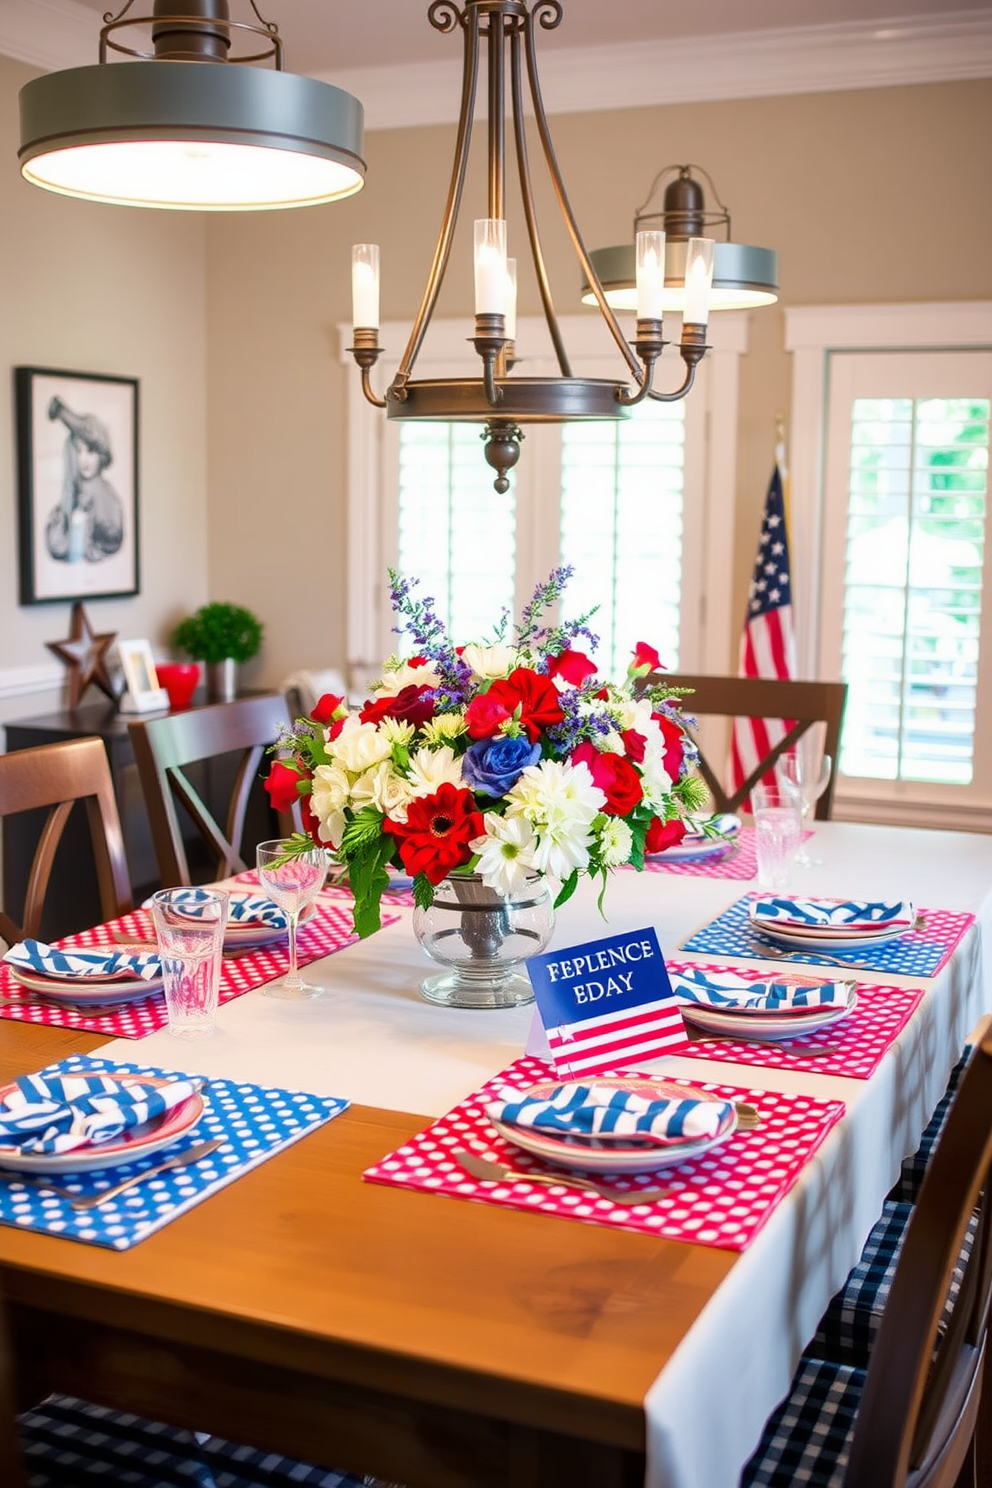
(142, 694)
(77, 473)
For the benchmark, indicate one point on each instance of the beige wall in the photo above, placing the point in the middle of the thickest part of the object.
(879, 195)
(113, 290)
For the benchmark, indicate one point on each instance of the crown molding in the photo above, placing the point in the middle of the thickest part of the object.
(953, 46)
(49, 34)
(749, 64)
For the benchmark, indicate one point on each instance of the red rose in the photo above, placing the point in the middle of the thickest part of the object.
(484, 715)
(535, 696)
(435, 837)
(646, 659)
(283, 785)
(311, 823)
(325, 708)
(573, 667)
(614, 775)
(674, 743)
(664, 834)
(634, 745)
(412, 704)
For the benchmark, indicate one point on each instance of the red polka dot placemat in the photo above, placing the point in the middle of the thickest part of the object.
(852, 1048)
(721, 1198)
(328, 930)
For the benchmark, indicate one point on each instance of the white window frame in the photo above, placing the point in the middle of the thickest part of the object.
(814, 335)
(710, 476)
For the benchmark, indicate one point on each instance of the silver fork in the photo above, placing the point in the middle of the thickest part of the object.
(90, 1201)
(779, 953)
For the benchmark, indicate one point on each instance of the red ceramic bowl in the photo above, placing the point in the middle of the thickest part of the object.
(179, 678)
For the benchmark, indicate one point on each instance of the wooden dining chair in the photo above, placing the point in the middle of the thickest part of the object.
(57, 776)
(165, 748)
(909, 1420)
(800, 704)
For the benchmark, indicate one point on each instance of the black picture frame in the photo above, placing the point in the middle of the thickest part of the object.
(77, 527)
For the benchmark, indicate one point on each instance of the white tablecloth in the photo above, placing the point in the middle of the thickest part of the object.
(371, 1039)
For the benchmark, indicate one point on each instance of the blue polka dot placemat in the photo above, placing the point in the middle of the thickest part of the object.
(253, 1121)
(922, 952)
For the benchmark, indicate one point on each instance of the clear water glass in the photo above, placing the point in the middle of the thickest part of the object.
(804, 772)
(189, 928)
(777, 834)
(291, 880)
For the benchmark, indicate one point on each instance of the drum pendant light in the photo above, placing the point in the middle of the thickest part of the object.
(744, 276)
(187, 123)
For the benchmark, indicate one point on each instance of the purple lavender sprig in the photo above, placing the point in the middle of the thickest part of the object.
(430, 637)
(578, 724)
(552, 640)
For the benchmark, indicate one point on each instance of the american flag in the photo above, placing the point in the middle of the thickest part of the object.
(768, 645)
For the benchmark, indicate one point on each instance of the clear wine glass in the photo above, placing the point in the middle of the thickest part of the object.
(292, 882)
(804, 774)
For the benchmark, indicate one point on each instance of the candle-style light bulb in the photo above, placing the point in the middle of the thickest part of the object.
(490, 266)
(365, 286)
(698, 281)
(511, 299)
(650, 273)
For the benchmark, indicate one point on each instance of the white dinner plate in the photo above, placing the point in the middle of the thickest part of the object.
(87, 992)
(809, 941)
(764, 1027)
(696, 847)
(140, 1141)
(613, 1156)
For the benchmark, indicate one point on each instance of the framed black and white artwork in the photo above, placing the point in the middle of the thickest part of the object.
(77, 458)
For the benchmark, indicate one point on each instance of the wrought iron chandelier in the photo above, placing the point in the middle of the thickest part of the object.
(498, 399)
(185, 124)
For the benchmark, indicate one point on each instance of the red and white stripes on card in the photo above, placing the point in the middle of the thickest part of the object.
(599, 1044)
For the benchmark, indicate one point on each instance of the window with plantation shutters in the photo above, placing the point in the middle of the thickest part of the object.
(620, 502)
(906, 612)
(622, 490)
(445, 506)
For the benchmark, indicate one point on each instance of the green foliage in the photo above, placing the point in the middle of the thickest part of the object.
(423, 891)
(567, 889)
(217, 631)
(364, 828)
(369, 880)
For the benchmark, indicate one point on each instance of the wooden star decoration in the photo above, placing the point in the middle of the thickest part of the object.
(85, 654)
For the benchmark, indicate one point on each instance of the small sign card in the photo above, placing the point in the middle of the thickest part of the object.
(607, 1004)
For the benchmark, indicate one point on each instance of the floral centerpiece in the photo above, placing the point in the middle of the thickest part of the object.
(505, 759)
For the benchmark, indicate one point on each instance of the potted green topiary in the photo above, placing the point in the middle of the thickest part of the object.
(222, 635)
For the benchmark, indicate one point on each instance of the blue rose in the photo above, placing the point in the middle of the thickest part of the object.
(492, 766)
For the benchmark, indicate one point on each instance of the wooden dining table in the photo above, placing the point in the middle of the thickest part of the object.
(447, 1344)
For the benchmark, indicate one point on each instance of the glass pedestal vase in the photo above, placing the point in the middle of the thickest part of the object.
(483, 938)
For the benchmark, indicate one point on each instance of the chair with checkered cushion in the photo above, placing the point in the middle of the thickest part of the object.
(846, 1333)
(909, 1420)
(907, 1190)
(69, 1443)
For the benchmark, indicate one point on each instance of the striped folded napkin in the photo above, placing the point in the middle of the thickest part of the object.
(60, 1113)
(587, 1110)
(835, 914)
(725, 989)
(255, 909)
(35, 955)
